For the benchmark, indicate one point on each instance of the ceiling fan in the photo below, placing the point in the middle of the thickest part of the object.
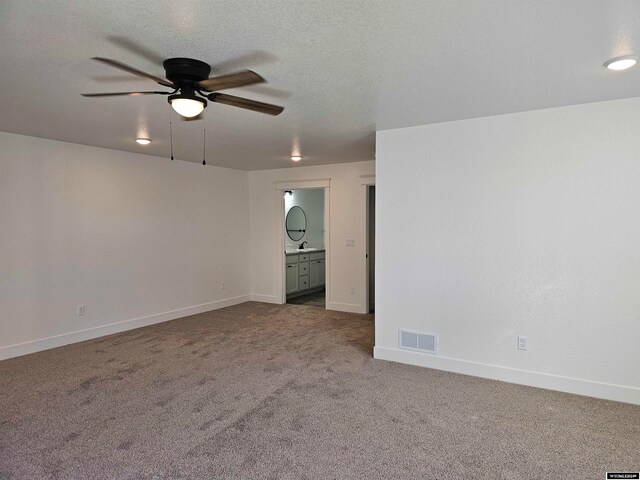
(192, 86)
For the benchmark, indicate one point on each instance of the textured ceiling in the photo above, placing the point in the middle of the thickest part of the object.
(343, 69)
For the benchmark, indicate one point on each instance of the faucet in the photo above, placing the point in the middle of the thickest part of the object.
(301, 246)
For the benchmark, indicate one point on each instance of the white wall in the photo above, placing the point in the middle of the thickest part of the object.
(132, 237)
(347, 221)
(312, 203)
(523, 224)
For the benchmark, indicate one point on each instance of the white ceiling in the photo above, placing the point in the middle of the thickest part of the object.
(342, 68)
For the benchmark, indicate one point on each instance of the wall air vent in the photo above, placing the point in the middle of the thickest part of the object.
(418, 341)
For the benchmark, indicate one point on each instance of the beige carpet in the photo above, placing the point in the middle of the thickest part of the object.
(270, 391)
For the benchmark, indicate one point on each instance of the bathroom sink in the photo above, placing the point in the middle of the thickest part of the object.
(302, 250)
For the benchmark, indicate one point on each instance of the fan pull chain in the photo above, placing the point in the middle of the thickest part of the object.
(204, 146)
(171, 135)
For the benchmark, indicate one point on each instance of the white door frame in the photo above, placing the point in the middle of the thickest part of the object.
(366, 181)
(281, 187)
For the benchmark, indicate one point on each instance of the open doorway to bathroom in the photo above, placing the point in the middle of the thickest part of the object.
(371, 247)
(305, 254)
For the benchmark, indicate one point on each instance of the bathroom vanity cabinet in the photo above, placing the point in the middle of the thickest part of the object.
(292, 274)
(305, 272)
(316, 270)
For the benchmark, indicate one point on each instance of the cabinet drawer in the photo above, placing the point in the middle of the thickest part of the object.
(292, 259)
(304, 282)
(304, 257)
(316, 256)
(303, 268)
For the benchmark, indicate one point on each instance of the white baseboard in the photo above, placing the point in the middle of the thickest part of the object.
(578, 386)
(265, 299)
(345, 307)
(33, 346)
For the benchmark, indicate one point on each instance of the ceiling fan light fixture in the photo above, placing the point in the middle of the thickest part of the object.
(143, 141)
(621, 63)
(187, 105)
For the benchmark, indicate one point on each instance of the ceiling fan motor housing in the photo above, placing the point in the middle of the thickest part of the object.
(181, 71)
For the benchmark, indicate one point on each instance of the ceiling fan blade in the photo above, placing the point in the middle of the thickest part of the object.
(239, 79)
(119, 94)
(246, 103)
(135, 71)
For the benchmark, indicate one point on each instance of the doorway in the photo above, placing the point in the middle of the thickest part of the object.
(371, 246)
(304, 246)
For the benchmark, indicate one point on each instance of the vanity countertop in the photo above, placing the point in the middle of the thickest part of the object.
(304, 250)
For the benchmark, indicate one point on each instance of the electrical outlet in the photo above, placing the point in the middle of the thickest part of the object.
(523, 343)
(80, 310)
(222, 285)
(352, 290)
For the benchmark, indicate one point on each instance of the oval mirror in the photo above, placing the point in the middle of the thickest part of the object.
(296, 223)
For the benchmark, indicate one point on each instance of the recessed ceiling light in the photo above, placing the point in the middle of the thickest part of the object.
(621, 63)
(296, 158)
(143, 141)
